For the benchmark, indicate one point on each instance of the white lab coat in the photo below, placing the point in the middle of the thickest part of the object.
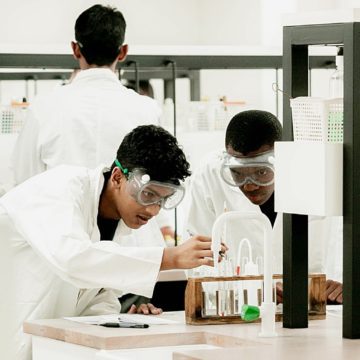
(50, 222)
(82, 123)
(208, 193)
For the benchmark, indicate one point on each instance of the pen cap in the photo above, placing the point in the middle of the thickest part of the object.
(143, 326)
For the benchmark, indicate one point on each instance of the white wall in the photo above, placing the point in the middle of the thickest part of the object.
(229, 22)
(155, 22)
(271, 20)
(164, 22)
(316, 5)
(49, 24)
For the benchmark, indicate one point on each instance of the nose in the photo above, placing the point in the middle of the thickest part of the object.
(250, 186)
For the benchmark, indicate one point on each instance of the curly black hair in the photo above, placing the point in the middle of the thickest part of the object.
(156, 150)
(100, 32)
(249, 130)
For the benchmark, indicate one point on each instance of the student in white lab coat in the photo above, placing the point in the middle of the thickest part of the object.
(83, 122)
(243, 179)
(54, 222)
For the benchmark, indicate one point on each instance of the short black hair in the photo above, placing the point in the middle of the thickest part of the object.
(157, 151)
(249, 130)
(100, 32)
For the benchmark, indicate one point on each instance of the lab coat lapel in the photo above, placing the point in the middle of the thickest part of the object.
(97, 184)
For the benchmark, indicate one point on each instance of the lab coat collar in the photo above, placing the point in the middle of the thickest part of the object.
(95, 73)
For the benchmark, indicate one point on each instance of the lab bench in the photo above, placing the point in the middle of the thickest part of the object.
(60, 338)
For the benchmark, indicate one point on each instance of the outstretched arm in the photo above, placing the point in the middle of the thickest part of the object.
(192, 253)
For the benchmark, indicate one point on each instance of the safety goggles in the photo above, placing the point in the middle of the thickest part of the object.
(237, 171)
(149, 192)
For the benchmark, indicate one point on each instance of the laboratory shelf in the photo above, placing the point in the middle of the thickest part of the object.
(167, 63)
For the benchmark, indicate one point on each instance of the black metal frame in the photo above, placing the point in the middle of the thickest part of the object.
(295, 69)
(150, 66)
(190, 62)
(66, 61)
(128, 73)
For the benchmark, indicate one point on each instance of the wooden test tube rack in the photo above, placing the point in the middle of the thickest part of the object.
(194, 301)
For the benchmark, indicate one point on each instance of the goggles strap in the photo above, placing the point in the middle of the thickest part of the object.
(118, 164)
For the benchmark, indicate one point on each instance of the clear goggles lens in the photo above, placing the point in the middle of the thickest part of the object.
(148, 192)
(258, 169)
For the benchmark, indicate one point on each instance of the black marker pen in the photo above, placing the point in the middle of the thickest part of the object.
(124, 324)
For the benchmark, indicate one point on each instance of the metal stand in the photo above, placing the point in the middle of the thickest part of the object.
(295, 66)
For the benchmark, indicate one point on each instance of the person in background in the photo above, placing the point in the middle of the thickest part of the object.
(81, 123)
(54, 223)
(243, 179)
(145, 87)
(163, 219)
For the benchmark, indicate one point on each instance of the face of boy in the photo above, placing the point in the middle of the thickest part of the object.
(132, 213)
(119, 204)
(257, 194)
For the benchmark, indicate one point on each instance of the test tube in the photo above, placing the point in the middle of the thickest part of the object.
(225, 295)
(209, 299)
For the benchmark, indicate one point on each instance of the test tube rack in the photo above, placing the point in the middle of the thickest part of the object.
(197, 313)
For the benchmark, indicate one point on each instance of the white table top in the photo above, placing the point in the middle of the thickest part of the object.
(322, 338)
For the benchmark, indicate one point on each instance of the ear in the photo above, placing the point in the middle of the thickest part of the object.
(76, 50)
(116, 177)
(123, 52)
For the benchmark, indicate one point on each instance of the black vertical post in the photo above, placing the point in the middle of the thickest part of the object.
(277, 93)
(173, 96)
(194, 85)
(173, 73)
(295, 264)
(295, 227)
(351, 191)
